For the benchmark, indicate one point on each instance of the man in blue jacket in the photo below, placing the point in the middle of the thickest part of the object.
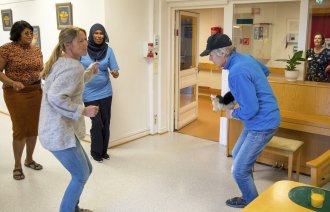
(258, 110)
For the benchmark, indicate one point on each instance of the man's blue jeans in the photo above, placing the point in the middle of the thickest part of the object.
(77, 163)
(248, 147)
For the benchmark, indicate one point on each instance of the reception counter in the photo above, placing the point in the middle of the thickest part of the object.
(305, 116)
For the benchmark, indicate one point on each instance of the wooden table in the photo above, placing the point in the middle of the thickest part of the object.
(275, 198)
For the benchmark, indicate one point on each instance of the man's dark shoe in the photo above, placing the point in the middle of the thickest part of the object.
(106, 157)
(236, 202)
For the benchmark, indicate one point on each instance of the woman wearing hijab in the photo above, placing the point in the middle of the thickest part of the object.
(98, 91)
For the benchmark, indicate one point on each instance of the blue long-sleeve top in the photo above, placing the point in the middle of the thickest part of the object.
(100, 86)
(258, 108)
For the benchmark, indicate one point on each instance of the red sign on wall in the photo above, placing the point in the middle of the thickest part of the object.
(246, 41)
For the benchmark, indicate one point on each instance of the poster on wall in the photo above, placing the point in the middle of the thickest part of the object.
(64, 15)
(36, 36)
(7, 19)
(258, 33)
(327, 43)
(292, 26)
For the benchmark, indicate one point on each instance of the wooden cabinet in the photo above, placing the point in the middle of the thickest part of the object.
(305, 116)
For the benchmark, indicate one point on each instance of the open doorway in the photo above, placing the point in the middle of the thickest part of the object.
(206, 123)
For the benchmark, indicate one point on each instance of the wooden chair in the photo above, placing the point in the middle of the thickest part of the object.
(320, 169)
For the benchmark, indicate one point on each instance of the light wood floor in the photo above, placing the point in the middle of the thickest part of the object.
(207, 125)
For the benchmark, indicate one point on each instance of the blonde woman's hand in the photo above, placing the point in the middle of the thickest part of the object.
(94, 67)
(91, 111)
(17, 85)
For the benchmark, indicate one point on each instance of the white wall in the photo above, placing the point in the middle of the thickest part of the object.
(43, 14)
(127, 23)
(282, 13)
(208, 18)
(164, 82)
(128, 29)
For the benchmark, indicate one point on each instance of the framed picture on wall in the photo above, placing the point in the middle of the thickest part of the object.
(36, 36)
(7, 19)
(327, 43)
(64, 15)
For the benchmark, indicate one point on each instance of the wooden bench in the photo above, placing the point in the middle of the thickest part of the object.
(289, 148)
(320, 169)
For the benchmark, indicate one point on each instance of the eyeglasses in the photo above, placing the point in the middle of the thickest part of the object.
(28, 33)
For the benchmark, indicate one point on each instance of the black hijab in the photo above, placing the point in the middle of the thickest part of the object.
(97, 51)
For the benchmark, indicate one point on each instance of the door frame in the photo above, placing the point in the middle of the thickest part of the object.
(181, 75)
(172, 8)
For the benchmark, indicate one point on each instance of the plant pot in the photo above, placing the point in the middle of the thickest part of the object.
(291, 75)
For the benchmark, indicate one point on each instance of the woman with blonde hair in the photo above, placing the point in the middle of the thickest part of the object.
(62, 111)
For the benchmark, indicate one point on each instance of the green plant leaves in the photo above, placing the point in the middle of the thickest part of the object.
(293, 61)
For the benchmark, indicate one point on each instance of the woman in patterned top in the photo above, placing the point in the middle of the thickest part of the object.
(20, 66)
(318, 59)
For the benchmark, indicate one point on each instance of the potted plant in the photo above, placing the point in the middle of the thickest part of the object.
(291, 73)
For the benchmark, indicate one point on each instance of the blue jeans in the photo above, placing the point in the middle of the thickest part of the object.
(248, 147)
(77, 163)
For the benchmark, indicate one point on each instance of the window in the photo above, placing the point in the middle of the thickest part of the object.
(267, 31)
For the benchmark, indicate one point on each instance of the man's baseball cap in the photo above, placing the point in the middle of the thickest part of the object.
(216, 41)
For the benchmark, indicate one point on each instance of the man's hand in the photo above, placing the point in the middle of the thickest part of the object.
(229, 114)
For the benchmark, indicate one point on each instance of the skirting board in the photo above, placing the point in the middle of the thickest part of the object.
(124, 140)
(162, 131)
(121, 141)
(4, 112)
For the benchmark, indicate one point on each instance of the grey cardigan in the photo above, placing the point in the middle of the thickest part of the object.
(61, 110)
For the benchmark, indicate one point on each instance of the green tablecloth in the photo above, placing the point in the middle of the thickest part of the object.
(301, 195)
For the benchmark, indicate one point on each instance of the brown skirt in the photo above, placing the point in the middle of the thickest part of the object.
(24, 109)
